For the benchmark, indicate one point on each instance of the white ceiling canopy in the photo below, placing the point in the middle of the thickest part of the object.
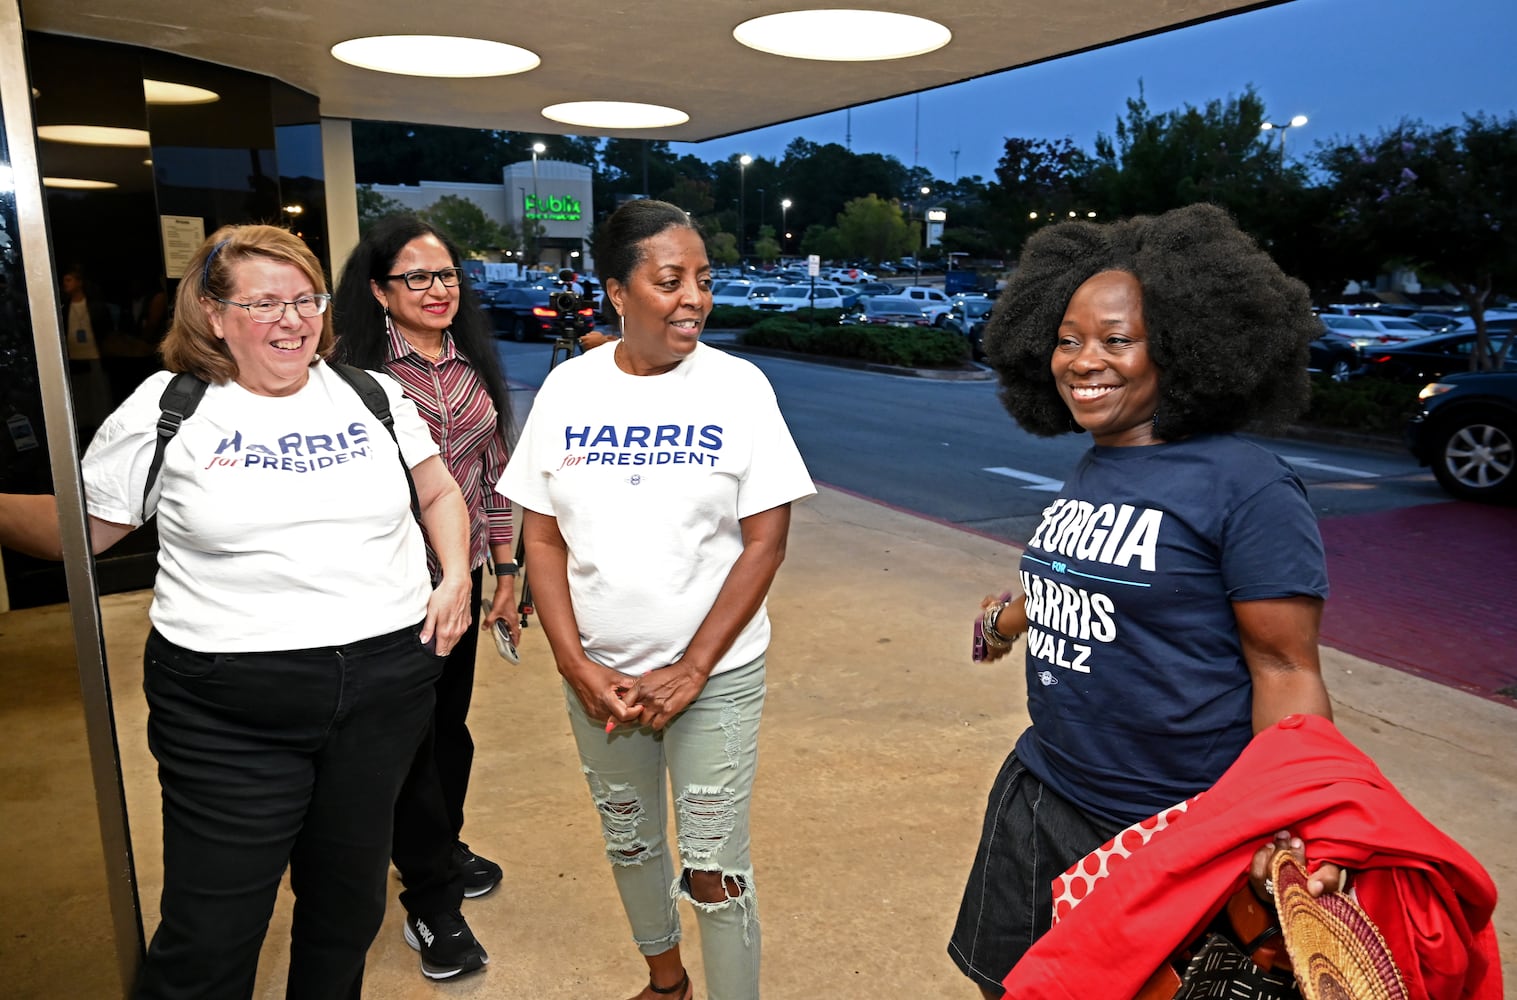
(675, 56)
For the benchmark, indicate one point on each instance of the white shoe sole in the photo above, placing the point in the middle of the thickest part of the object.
(433, 972)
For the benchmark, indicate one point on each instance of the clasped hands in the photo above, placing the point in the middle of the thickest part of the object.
(652, 699)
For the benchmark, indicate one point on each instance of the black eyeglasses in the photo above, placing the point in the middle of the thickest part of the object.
(272, 310)
(420, 281)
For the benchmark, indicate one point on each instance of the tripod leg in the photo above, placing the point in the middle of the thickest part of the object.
(524, 604)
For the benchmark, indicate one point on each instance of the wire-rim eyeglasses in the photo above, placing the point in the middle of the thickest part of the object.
(273, 310)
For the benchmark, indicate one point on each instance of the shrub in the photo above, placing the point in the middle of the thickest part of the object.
(1368, 405)
(732, 318)
(911, 348)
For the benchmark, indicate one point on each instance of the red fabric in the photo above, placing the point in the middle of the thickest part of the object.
(1430, 898)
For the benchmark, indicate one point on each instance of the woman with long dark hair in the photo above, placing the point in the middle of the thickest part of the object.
(404, 306)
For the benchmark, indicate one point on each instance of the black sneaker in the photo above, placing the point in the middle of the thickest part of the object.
(480, 874)
(448, 948)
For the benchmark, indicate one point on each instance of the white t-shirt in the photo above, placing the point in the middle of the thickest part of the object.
(648, 477)
(284, 522)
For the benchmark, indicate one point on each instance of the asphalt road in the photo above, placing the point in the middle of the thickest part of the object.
(947, 449)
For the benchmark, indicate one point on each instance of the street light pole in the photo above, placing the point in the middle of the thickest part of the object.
(537, 249)
(922, 211)
(784, 235)
(742, 213)
(1295, 122)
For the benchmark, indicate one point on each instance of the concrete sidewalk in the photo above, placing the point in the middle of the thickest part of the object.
(880, 742)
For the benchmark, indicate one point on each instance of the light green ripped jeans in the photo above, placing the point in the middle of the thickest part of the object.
(709, 753)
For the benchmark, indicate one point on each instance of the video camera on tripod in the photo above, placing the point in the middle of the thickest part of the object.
(573, 317)
(573, 314)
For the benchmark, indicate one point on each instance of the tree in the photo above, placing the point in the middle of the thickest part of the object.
(1442, 200)
(821, 179)
(1037, 180)
(373, 206)
(873, 228)
(1162, 161)
(466, 225)
(721, 248)
(766, 247)
(399, 153)
(824, 241)
(691, 194)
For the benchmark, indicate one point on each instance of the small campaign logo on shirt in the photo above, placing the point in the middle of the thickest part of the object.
(295, 451)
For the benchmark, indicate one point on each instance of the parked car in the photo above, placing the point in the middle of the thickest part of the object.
(746, 293)
(887, 310)
(967, 318)
(1335, 356)
(1494, 319)
(528, 313)
(932, 300)
(1437, 322)
(1431, 357)
(1467, 431)
(490, 289)
(868, 288)
(1370, 331)
(793, 297)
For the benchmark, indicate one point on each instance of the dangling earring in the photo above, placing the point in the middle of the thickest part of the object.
(389, 325)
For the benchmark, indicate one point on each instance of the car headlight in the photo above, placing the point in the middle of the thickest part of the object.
(1434, 389)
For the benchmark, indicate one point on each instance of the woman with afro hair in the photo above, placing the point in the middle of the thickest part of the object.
(1171, 595)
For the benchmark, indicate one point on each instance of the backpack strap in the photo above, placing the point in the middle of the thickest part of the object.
(373, 395)
(178, 401)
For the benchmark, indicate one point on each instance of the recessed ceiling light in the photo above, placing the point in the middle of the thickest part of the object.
(842, 35)
(435, 55)
(94, 135)
(76, 183)
(163, 92)
(615, 114)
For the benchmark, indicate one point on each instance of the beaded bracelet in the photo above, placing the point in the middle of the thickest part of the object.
(993, 638)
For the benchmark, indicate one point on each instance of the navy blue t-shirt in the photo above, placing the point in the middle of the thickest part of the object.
(1136, 683)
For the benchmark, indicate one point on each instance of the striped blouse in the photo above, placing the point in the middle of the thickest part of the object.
(453, 400)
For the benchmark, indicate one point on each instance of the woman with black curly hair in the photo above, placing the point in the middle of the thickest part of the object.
(1172, 594)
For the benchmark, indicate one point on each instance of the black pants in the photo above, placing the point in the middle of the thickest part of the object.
(269, 760)
(429, 814)
(1031, 836)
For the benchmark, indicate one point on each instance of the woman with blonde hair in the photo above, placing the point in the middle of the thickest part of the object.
(296, 633)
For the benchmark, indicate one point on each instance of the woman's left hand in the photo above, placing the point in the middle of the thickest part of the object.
(665, 692)
(1327, 877)
(448, 615)
(503, 607)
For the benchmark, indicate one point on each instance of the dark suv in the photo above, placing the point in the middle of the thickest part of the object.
(1467, 431)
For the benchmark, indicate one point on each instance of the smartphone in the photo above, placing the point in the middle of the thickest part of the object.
(503, 644)
(978, 651)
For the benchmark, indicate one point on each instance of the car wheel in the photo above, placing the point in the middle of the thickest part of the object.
(1476, 459)
(1342, 371)
(518, 329)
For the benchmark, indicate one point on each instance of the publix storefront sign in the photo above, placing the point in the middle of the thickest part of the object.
(551, 207)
